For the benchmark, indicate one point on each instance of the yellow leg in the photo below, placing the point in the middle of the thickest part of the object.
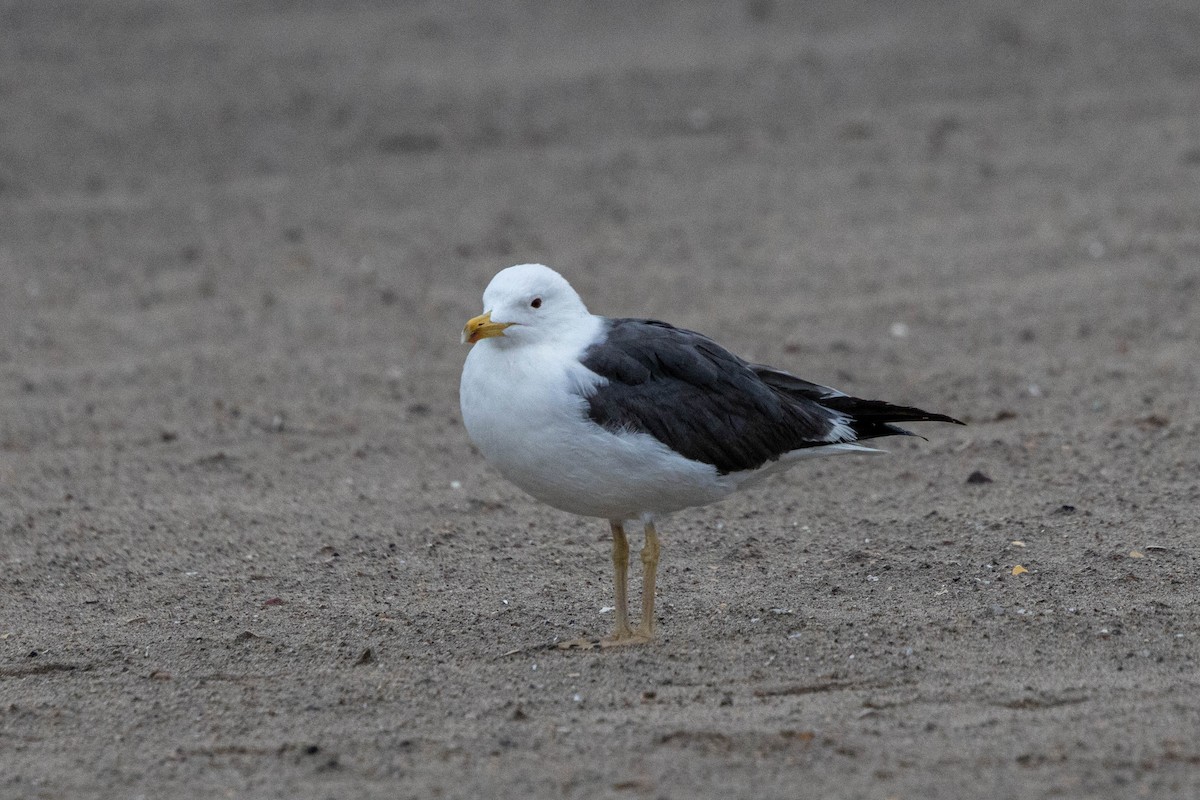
(620, 557)
(649, 574)
(622, 634)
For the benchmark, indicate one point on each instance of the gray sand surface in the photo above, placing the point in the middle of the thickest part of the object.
(246, 549)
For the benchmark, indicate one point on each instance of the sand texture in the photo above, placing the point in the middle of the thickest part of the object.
(247, 550)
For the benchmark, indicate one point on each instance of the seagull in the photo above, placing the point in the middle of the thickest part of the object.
(634, 419)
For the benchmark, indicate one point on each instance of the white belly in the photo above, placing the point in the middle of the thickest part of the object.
(531, 424)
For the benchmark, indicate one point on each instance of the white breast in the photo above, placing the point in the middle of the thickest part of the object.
(525, 409)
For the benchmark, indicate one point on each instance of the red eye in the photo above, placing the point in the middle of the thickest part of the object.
(536, 303)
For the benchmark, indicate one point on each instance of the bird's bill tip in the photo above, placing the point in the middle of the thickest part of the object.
(482, 327)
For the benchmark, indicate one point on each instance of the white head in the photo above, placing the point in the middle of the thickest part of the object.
(526, 303)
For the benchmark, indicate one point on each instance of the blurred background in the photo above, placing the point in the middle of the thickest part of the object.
(191, 175)
(238, 241)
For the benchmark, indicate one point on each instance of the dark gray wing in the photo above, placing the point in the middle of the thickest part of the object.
(697, 398)
(868, 418)
(708, 405)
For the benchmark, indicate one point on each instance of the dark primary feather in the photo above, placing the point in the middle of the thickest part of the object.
(868, 418)
(708, 405)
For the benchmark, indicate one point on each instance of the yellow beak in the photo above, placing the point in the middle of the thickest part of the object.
(482, 327)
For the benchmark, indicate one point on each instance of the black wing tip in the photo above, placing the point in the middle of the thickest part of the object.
(940, 418)
(874, 426)
(925, 416)
(891, 413)
(896, 430)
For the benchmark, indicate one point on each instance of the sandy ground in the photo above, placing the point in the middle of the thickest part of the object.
(246, 549)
